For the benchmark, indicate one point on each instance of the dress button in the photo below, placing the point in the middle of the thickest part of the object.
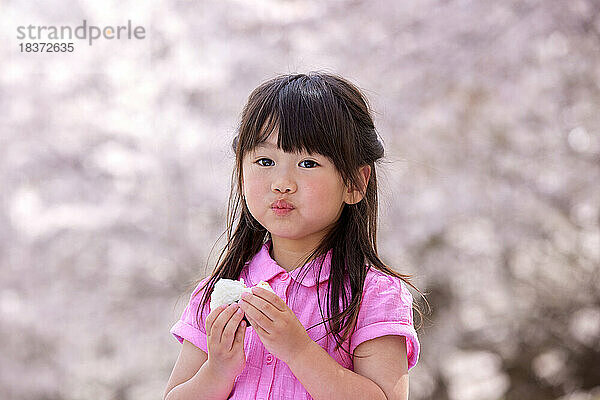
(285, 276)
(269, 359)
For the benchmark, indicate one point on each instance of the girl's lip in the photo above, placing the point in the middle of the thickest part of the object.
(281, 211)
(281, 204)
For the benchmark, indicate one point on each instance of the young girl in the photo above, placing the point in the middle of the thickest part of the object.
(305, 181)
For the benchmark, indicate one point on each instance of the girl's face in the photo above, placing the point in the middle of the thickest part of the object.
(310, 183)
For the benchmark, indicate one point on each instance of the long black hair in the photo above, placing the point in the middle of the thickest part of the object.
(316, 113)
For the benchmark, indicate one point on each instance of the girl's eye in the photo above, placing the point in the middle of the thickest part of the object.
(269, 160)
(260, 159)
(310, 162)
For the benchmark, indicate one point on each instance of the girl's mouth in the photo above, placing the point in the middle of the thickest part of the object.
(282, 211)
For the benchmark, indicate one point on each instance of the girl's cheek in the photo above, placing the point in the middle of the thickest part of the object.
(251, 181)
(254, 185)
(317, 188)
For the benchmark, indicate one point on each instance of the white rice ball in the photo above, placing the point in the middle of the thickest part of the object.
(229, 291)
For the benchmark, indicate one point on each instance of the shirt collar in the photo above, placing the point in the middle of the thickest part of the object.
(263, 268)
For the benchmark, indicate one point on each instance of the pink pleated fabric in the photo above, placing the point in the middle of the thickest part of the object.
(386, 309)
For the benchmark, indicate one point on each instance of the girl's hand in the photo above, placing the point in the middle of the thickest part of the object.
(225, 337)
(276, 325)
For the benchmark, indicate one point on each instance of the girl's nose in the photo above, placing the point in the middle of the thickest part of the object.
(283, 179)
(283, 186)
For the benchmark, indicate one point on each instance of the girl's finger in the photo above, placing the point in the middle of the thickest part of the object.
(212, 317)
(240, 334)
(257, 328)
(271, 298)
(262, 305)
(229, 332)
(221, 321)
(256, 315)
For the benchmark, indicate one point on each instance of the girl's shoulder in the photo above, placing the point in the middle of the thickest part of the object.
(197, 290)
(376, 276)
(199, 286)
(380, 283)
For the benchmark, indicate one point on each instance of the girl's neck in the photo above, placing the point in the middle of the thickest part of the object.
(287, 254)
(284, 262)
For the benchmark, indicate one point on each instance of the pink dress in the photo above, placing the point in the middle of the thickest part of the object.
(386, 309)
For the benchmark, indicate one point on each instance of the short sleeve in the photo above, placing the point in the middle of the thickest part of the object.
(386, 309)
(187, 328)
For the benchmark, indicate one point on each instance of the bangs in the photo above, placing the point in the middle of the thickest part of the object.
(304, 112)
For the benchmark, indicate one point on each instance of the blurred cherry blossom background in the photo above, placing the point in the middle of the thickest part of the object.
(115, 165)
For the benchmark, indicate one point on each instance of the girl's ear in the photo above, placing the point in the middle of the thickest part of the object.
(353, 196)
